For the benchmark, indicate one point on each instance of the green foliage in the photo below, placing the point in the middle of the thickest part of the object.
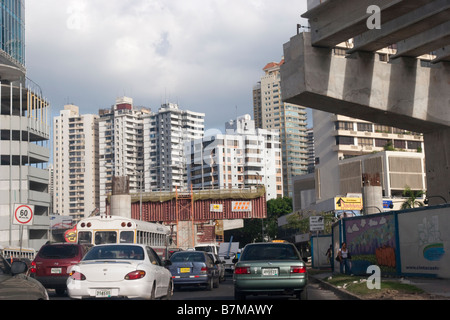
(412, 196)
(297, 222)
(262, 229)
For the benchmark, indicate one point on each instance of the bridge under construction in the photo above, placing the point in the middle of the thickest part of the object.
(194, 216)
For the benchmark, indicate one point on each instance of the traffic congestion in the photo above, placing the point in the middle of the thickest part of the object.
(114, 267)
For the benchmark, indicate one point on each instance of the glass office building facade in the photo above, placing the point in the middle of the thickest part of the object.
(12, 36)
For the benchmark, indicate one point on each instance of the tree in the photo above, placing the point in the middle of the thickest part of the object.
(412, 196)
(262, 229)
(275, 209)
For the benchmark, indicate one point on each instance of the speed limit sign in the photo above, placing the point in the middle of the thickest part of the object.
(23, 214)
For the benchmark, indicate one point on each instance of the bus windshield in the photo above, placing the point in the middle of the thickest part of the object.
(102, 237)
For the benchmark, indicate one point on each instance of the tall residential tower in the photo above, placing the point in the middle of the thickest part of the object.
(75, 159)
(270, 112)
(165, 134)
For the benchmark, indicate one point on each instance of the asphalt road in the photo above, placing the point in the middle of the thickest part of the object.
(225, 291)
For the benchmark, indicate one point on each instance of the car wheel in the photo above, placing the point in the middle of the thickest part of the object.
(210, 284)
(153, 294)
(303, 295)
(169, 291)
(238, 295)
(216, 283)
(60, 291)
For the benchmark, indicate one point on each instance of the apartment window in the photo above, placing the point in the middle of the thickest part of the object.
(341, 140)
(400, 144)
(367, 127)
(383, 129)
(344, 125)
(365, 142)
(414, 144)
(381, 142)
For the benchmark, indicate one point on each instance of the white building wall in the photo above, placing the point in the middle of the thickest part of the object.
(242, 157)
(75, 152)
(165, 134)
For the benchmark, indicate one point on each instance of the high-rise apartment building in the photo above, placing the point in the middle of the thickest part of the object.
(270, 112)
(25, 131)
(75, 159)
(121, 151)
(165, 134)
(242, 157)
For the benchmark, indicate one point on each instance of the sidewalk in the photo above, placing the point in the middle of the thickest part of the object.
(434, 289)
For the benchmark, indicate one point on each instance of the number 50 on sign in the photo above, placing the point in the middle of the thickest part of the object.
(23, 214)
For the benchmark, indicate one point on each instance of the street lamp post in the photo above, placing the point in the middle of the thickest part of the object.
(426, 200)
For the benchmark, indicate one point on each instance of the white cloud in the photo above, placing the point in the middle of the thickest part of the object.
(206, 55)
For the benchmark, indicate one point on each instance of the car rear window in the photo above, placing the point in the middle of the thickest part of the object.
(270, 252)
(188, 257)
(112, 252)
(58, 252)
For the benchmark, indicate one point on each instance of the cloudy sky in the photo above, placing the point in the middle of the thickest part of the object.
(205, 55)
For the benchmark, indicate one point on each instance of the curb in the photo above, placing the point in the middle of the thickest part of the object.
(338, 291)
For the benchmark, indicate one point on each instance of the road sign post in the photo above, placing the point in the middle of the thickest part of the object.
(23, 215)
(316, 223)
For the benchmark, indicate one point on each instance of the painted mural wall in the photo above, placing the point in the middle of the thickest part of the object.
(425, 242)
(408, 242)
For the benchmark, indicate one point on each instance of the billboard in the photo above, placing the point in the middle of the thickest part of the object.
(241, 206)
(344, 203)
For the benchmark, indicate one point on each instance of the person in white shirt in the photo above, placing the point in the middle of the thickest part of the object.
(344, 257)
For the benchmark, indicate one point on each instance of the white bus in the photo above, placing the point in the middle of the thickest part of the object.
(115, 229)
(17, 253)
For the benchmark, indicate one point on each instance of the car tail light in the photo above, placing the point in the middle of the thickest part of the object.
(298, 269)
(77, 276)
(138, 274)
(33, 267)
(242, 270)
(204, 270)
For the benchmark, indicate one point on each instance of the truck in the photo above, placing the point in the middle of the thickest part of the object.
(227, 252)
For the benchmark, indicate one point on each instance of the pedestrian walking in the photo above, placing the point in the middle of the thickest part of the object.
(344, 258)
(329, 253)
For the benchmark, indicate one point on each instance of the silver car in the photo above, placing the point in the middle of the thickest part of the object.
(16, 285)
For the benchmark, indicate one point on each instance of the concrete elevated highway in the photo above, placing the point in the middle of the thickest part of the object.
(406, 92)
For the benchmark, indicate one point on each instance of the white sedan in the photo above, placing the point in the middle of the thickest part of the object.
(120, 271)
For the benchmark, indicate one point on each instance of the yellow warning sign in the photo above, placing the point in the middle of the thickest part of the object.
(216, 208)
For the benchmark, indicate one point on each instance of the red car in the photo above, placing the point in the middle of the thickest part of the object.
(52, 261)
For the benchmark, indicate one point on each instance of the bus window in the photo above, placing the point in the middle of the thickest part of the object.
(85, 237)
(102, 237)
(127, 237)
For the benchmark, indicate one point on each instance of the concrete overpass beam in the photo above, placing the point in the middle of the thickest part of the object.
(424, 42)
(403, 27)
(402, 94)
(442, 54)
(335, 21)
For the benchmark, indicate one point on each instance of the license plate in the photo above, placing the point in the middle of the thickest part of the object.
(270, 272)
(103, 293)
(56, 271)
(185, 270)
